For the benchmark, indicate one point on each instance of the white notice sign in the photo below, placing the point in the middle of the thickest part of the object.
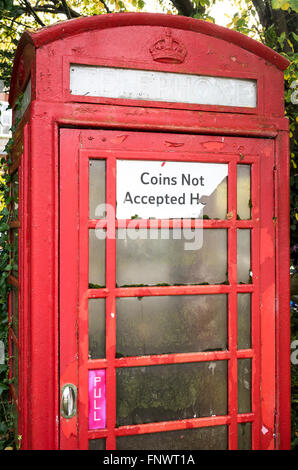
(165, 190)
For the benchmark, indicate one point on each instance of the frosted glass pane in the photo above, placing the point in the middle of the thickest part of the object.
(171, 324)
(211, 438)
(244, 436)
(244, 320)
(171, 392)
(243, 256)
(243, 192)
(97, 276)
(244, 385)
(97, 328)
(112, 82)
(164, 260)
(97, 188)
(216, 203)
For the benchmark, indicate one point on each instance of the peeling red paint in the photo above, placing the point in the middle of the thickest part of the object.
(213, 146)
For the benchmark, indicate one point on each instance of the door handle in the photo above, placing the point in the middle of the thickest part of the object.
(68, 401)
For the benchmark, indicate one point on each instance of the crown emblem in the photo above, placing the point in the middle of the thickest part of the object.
(168, 50)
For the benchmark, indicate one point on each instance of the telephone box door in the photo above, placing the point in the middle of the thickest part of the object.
(167, 291)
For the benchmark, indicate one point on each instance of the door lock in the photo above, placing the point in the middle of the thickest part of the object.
(68, 401)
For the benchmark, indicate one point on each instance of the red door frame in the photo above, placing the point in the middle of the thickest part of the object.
(76, 147)
(39, 238)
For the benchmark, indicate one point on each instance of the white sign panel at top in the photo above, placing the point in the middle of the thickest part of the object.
(165, 190)
(110, 82)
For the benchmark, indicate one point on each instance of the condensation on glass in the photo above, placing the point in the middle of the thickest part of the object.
(244, 191)
(244, 385)
(97, 276)
(172, 257)
(112, 82)
(97, 188)
(244, 436)
(244, 320)
(97, 328)
(171, 324)
(243, 256)
(171, 392)
(209, 438)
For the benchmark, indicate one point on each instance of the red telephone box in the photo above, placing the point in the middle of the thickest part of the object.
(150, 305)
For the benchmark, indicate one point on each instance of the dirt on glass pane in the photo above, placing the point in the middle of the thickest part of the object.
(244, 320)
(244, 385)
(171, 392)
(97, 268)
(243, 256)
(210, 438)
(171, 324)
(97, 188)
(244, 436)
(171, 257)
(97, 328)
(243, 192)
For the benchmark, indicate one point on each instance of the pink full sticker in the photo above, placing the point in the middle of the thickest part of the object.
(97, 399)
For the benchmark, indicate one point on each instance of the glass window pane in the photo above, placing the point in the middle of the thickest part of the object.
(97, 328)
(13, 410)
(244, 385)
(162, 256)
(97, 248)
(243, 192)
(211, 438)
(15, 251)
(216, 203)
(15, 195)
(171, 392)
(97, 188)
(244, 436)
(97, 444)
(243, 256)
(244, 320)
(171, 324)
(14, 365)
(15, 310)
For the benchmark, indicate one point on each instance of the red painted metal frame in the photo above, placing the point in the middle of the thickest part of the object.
(39, 239)
(261, 412)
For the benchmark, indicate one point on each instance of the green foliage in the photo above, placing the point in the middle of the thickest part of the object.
(7, 425)
(6, 420)
(285, 4)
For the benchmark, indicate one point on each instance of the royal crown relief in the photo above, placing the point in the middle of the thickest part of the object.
(168, 50)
